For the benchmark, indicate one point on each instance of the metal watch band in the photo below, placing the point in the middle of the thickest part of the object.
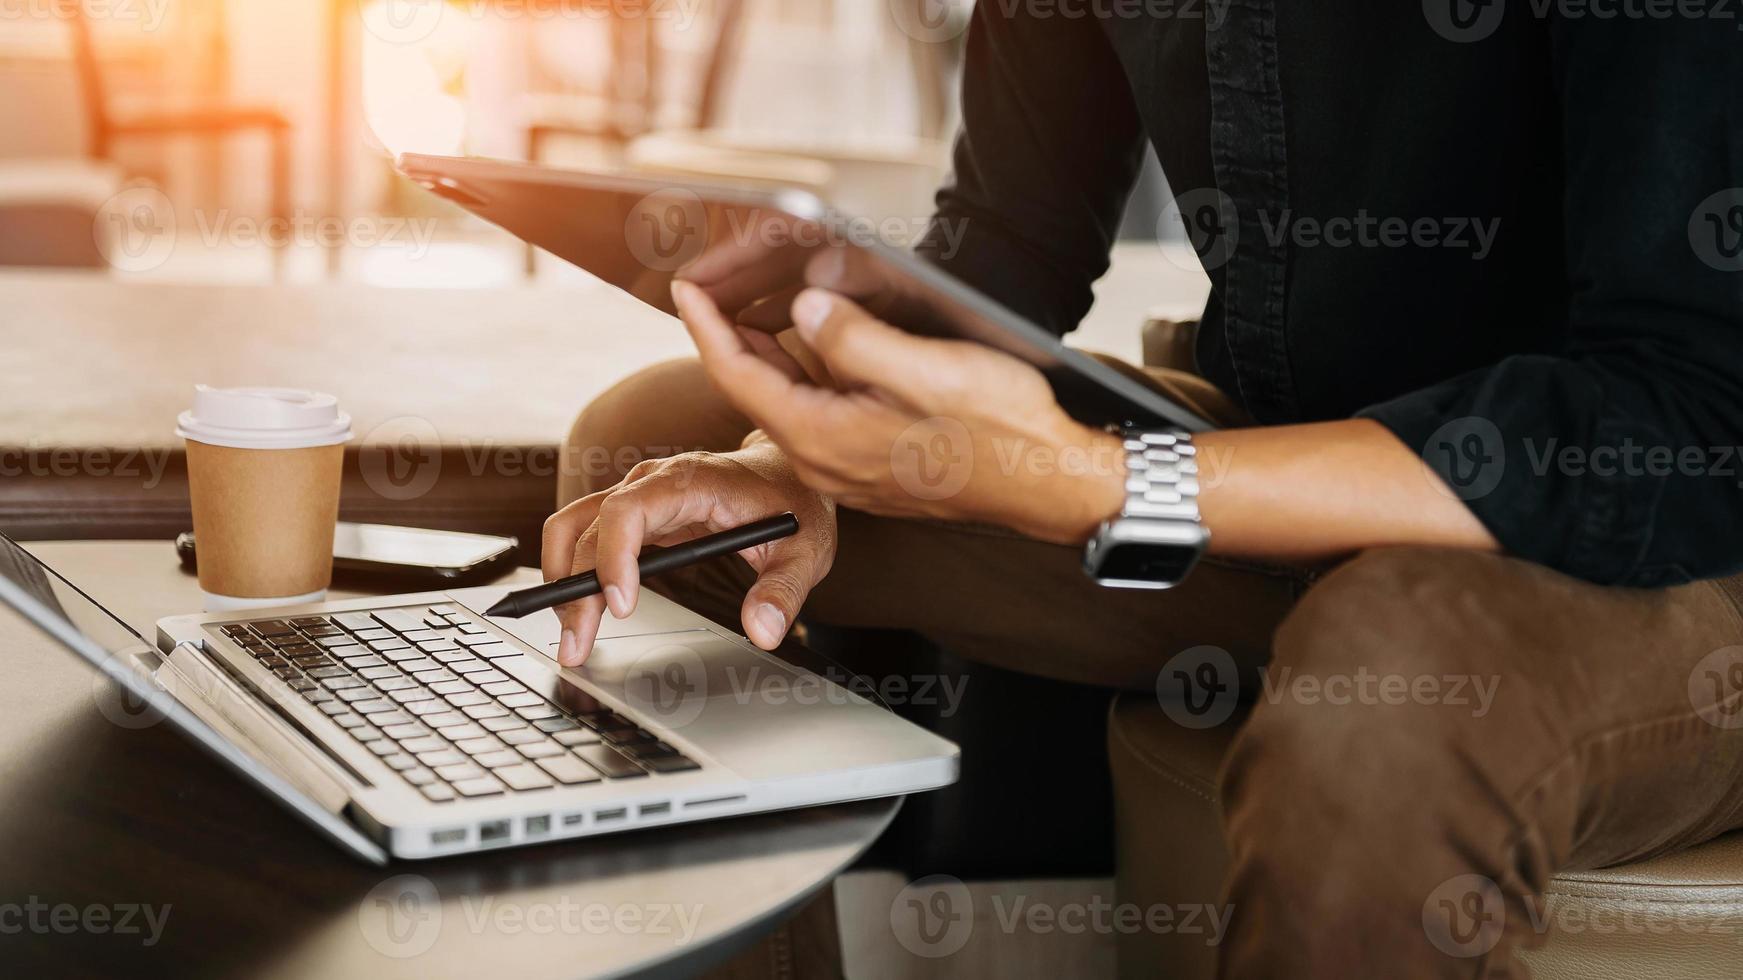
(1161, 475)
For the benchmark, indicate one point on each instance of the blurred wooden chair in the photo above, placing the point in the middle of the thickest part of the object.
(107, 126)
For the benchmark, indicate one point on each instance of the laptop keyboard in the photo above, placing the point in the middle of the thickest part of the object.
(420, 688)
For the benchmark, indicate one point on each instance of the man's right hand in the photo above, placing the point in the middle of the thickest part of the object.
(666, 501)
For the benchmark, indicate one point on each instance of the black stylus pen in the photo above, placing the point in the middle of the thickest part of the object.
(653, 561)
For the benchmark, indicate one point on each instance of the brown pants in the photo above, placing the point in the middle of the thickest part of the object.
(1418, 715)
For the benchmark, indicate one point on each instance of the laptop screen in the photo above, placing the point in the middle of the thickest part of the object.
(62, 600)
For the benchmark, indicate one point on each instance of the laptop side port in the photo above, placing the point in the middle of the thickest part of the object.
(538, 826)
(605, 816)
(447, 837)
(653, 809)
(492, 831)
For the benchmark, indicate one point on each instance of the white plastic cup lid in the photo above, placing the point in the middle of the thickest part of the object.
(264, 418)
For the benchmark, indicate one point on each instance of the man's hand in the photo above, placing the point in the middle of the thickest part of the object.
(667, 501)
(913, 426)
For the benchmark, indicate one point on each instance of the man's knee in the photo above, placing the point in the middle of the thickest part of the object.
(661, 411)
(1376, 677)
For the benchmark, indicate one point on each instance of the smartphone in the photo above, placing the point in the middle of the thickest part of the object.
(404, 554)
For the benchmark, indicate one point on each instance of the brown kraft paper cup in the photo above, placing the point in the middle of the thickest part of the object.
(264, 518)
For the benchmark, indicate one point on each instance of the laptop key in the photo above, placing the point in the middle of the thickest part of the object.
(385, 646)
(506, 723)
(515, 699)
(383, 747)
(445, 719)
(462, 770)
(485, 786)
(558, 724)
(399, 683)
(437, 646)
(367, 733)
(360, 659)
(287, 673)
(466, 698)
(410, 695)
(373, 633)
(451, 687)
(420, 745)
(410, 729)
(379, 673)
(302, 684)
(523, 777)
(450, 656)
(540, 750)
(354, 620)
(372, 707)
(568, 770)
(272, 627)
(322, 673)
(392, 718)
(520, 736)
(332, 708)
(476, 639)
(483, 711)
(419, 635)
(496, 651)
(418, 665)
(472, 629)
(469, 667)
(437, 792)
(498, 759)
(418, 776)
(537, 712)
(607, 761)
(430, 707)
(399, 761)
(317, 696)
(398, 620)
(670, 763)
(273, 662)
(443, 757)
(575, 736)
(470, 729)
(349, 720)
(479, 746)
(329, 642)
(491, 676)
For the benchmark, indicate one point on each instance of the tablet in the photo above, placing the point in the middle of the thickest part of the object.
(754, 248)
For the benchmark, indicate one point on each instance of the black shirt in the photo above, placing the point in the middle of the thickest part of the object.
(1513, 234)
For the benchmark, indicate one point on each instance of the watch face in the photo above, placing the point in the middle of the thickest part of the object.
(1144, 562)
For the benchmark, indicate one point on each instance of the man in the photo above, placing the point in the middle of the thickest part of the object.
(1475, 279)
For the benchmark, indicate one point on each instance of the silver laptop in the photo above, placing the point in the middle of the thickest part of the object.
(413, 726)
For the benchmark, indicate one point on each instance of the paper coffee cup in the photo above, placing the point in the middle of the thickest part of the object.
(263, 472)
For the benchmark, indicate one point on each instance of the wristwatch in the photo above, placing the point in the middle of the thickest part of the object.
(1157, 537)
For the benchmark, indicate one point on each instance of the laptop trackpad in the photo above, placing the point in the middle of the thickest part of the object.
(669, 676)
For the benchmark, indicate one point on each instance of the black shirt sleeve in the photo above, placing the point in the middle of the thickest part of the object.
(1049, 148)
(1614, 459)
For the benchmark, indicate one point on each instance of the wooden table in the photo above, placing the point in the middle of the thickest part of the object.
(97, 815)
